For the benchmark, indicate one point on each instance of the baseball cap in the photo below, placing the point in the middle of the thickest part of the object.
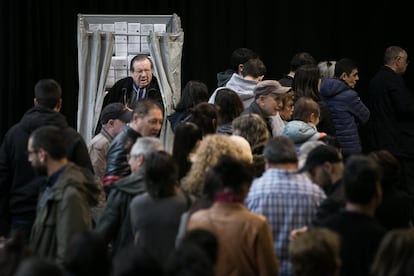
(320, 155)
(116, 111)
(267, 87)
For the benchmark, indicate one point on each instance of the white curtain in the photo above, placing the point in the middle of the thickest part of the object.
(94, 58)
(166, 51)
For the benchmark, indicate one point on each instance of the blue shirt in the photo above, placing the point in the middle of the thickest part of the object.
(288, 200)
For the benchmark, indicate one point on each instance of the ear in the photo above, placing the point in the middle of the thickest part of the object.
(35, 102)
(343, 76)
(260, 100)
(58, 105)
(134, 120)
(240, 69)
(140, 160)
(329, 167)
(110, 122)
(42, 155)
(313, 118)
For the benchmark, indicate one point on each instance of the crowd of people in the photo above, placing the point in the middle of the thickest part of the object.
(266, 177)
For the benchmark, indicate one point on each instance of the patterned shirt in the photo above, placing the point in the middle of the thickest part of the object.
(288, 200)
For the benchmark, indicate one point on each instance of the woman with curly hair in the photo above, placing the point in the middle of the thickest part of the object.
(207, 154)
(253, 128)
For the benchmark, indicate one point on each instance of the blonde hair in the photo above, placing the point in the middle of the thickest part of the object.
(244, 148)
(211, 148)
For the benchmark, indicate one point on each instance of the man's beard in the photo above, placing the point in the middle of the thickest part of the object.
(326, 182)
(40, 170)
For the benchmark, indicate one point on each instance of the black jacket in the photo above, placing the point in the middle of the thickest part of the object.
(19, 184)
(391, 124)
(116, 158)
(122, 92)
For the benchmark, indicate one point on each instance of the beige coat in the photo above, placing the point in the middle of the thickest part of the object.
(245, 239)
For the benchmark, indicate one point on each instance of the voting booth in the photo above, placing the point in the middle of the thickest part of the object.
(107, 43)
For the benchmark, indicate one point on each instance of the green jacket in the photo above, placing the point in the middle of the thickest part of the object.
(115, 222)
(66, 212)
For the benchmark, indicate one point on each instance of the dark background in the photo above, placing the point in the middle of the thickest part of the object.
(39, 39)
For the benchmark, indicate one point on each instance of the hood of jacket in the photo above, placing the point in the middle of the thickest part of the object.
(80, 178)
(243, 88)
(224, 77)
(131, 184)
(332, 87)
(176, 117)
(300, 131)
(38, 116)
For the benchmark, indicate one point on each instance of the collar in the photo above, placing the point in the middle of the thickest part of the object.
(106, 134)
(136, 88)
(227, 197)
(51, 180)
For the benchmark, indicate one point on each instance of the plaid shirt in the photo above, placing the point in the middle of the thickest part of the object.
(288, 200)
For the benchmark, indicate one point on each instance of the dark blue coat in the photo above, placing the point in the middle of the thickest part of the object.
(347, 111)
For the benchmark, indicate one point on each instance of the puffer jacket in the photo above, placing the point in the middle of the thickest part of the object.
(348, 111)
(64, 212)
(300, 132)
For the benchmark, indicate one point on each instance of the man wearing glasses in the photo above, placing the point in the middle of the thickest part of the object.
(65, 199)
(141, 84)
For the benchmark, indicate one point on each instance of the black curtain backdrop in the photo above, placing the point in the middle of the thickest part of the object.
(39, 39)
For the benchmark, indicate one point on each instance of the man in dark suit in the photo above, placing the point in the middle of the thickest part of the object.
(391, 124)
(140, 85)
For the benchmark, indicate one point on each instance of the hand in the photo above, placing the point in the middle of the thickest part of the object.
(297, 232)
